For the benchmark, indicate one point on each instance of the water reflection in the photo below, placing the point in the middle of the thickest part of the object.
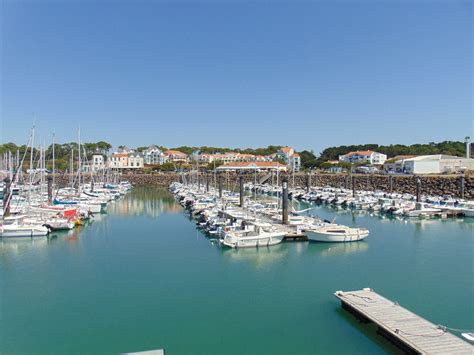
(13, 246)
(259, 257)
(17, 246)
(333, 249)
(146, 201)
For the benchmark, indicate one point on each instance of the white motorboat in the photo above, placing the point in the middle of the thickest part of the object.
(422, 209)
(254, 234)
(467, 208)
(336, 233)
(16, 231)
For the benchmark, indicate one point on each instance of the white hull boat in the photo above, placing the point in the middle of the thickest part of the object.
(261, 240)
(17, 231)
(254, 235)
(336, 233)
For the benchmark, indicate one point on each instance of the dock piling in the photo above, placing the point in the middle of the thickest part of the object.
(241, 186)
(353, 186)
(418, 189)
(50, 189)
(285, 201)
(6, 197)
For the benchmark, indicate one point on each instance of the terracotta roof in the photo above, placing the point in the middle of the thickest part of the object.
(286, 150)
(296, 155)
(174, 152)
(120, 155)
(258, 164)
(364, 152)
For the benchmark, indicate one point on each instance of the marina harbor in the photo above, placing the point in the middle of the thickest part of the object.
(253, 228)
(236, 178)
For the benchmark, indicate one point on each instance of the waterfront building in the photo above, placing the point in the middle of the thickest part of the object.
(131, 160)
(230, 157)
(118, 160)
(153, 156)
(174, 156)
(437, 164)
(98, 162)
(334, 167)
(135, 160)
(290, 157)
(253, 166)
(206, 158)
(367, 156)
(395, 164)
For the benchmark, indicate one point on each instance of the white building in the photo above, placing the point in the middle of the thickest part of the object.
(175, 156)
(367, 156)
(153, 156)
(132, 160)
(135, 160)
(98, 162)
(395, 164)
(437, 164)
(291, 158)
(118, 161)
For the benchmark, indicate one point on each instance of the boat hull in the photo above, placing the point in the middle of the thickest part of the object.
(316, 236)
(252, 242)
(27, 232)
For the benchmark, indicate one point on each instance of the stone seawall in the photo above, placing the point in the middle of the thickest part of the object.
(432, 185)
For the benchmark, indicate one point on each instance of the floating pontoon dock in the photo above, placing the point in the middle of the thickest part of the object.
(149, 352)
(407, 330)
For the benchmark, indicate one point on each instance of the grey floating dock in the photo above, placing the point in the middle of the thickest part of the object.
(148, 352)
(409, 331)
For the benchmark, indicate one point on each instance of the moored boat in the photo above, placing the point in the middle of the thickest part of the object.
(336, 233)
(255, 234)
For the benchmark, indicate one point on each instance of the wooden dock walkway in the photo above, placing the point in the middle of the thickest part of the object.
(411, 332)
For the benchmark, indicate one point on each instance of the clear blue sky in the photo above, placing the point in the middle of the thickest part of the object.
(243, 74)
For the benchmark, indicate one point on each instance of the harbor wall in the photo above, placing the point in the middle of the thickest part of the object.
(432, 185)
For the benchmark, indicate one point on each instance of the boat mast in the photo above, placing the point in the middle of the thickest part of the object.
(79, 165)
(40, 164)
(31, 165)
(54, 170)
(71, 168)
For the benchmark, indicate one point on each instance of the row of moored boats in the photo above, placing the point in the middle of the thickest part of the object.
(257, 223)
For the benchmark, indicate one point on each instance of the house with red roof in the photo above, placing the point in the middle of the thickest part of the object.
(253, 166)
(290, 157)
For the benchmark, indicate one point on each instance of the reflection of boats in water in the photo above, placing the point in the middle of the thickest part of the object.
(343, 248)
(20, 244)
(70, 234)
(258, 256)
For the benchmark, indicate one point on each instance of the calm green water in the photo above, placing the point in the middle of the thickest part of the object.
(144, 278)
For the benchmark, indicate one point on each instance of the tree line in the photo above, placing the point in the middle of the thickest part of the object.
(309, 159)
(62, 152)
(447, 147)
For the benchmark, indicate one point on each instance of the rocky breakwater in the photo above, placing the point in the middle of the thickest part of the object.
(432, 185)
